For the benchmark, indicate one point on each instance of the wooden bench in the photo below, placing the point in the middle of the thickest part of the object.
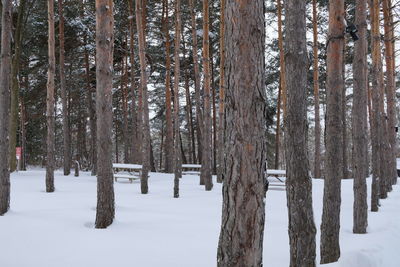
(191, 169)
(127, 171)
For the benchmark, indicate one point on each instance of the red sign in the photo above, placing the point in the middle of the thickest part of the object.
(18, 152)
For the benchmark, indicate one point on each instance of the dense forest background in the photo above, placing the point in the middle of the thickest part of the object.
(79, 17)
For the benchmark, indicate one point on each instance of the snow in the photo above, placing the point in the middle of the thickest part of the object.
(57, 229)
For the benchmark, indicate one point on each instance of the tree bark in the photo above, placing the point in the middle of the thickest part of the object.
(330, 248)
(135, 127)
(169, 139)
(143, 88)
(359, 122)
(66, 131)
(344, 119)
(298, 184)
(282, 83)
(124, 88)
(206, 161)
(317, 133)
(104, 74)
(243, 211)
(221, 108)
(15, 85)
(50, 102)
(199, 117)
(377, 118)
(177, 151)
(390, 90)
(5, 68)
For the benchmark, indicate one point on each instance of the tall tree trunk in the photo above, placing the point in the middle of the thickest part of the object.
(66, 130)
(317, 133)
(282, 82)
(278, 125)
(140, 8)
(124, 88)
(177, 151)
(390, 90)
(359, 122)
(161, 145)
(23, 134)
(206, 163)
(169, 139)
(243, 211)
(344, 114)
(92, 115)
(299, 185)
(377, 118)
(104, 74)
(330, 249)
(50, 102)
(214, 116)
(5, 68)
(221, 108)
(135, 127)
(199, 116)
(15, 85)
(189, 114)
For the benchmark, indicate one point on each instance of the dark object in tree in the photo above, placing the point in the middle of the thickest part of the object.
(76, 168)
(243, 213)
(352, 30)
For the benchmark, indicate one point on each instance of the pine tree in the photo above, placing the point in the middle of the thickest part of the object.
(317, 154)
(359, 122)
(5, 68)
(177, 150)
(146, 149)
(330, 248)
(169, 139)
(298, 184)
(206, 163)
(243, 212)
(104, 75)
(50, 164)
(66, 131)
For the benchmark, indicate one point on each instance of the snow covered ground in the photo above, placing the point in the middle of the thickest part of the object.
(57, 229)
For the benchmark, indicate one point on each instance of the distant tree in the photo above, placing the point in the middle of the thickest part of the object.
(177, 149)
(199, 116)
(104, 76)
(282, 98)
(206, 163)
(169, 140)
(330, 248)
(317, 154)
(15, 84)
(243, 211)
(5, 71)
(359, 122)
(50, 164)
(140, 24)
(221, 111)
(64, 96)
(377, 122)
(390, 89)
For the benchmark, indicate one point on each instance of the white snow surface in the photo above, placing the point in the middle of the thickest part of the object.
(57, 229)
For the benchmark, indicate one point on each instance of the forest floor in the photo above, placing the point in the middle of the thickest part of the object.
(57, 229)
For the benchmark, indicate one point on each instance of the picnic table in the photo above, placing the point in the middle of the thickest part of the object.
(276, 174)
(191, 169)
(127, 171)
